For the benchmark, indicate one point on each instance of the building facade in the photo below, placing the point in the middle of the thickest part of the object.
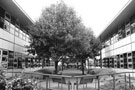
(118, 40)
(13, 34)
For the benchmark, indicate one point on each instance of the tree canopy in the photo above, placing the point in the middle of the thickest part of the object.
(59, 31)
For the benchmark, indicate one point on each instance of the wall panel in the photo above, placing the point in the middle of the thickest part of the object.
(20, 41)
(6, 35)
(6, 45)
(133, 37)
(122, 42)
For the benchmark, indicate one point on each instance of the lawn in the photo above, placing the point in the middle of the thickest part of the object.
(100, 71)
(46, 71)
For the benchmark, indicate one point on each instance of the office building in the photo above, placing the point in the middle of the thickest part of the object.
(14, 35)
(118, 40)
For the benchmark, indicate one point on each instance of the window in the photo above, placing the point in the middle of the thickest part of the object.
(11, 54)
(116, 38)
(121, 56)
(17, 31)
(133, 27)
(24, 36)
(27, 38)
(130, 65)
(2, 12)
(1, 22)
(5, 53)
(129, 54)
(7, 16)
(21, 34)
(6, 25)
(12, 28)
(4, 59)
(13, 20)
(129, 60)
(127, 26)
(128, 32)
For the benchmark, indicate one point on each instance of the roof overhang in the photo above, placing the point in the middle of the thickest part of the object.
(121, 18)
(16, 11)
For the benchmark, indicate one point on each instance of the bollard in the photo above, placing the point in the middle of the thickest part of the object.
(125, 81)
(61, 83)
(69, 85)
(98, 82)
(49, 83)
(129, 81)
(113, 82)
(46, 83)
(95, 84)
(77, 84)
(83, 83)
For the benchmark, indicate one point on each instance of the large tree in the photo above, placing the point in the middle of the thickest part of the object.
(59, 32)
(50, 34)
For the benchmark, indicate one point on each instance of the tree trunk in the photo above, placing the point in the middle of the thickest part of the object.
(77, 65)
(100, 59)
(88, 64)
(62, 64)
(56, 67)
(82, 68)
(43, 62)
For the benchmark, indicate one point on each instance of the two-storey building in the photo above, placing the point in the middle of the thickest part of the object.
(14, 35)
(118, 40)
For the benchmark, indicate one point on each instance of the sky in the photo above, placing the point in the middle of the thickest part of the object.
(95, 14)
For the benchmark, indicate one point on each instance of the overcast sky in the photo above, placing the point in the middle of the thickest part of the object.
(96, 14)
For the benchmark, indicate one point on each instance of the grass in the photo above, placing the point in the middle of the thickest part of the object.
(46, 71)
(100, 71)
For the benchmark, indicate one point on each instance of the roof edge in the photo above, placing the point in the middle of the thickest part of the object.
(23, 11)
(128, 2)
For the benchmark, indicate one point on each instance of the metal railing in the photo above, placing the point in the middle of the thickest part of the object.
(38, 81)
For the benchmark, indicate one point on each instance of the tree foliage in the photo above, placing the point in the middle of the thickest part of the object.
(59, 31)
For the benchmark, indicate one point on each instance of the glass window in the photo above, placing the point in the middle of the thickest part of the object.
(27, 38)
(4, 59)
(128, 32)
(12, 28)
(24, 36)
(2, 12)
(16, 31)
(21, 34)
(11, 54)
(127, 26)
(6, 25)
(7, 16)
(13, 20)
(5, 53)
(133, 27)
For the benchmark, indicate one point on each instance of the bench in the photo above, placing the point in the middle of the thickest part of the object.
(85, 80)
(60, 80)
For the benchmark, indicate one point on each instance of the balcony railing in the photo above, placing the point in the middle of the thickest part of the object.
(38, 81)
